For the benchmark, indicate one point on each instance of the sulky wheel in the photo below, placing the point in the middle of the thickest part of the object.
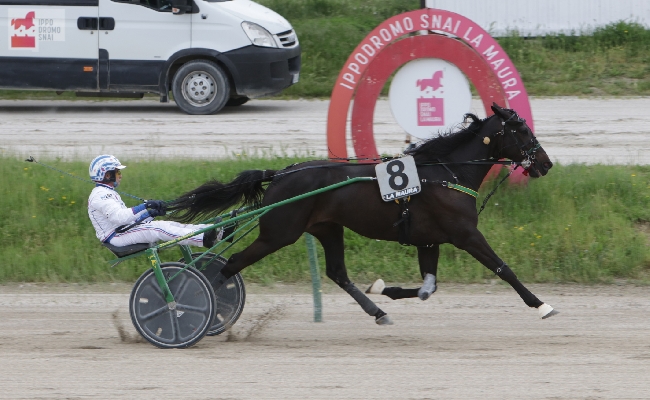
(178, 328)
(200, 87)
(231, 297)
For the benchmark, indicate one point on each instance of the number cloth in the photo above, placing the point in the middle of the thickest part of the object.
(398, 178)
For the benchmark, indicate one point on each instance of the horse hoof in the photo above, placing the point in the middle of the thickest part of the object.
(552, 313)
(377, 287)
(385, 320)
(546, 311)
(423, 295)
(428, 287)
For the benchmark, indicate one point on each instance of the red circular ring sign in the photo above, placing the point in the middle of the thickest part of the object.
(384, 50)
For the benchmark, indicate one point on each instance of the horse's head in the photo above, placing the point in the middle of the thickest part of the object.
(518, 143)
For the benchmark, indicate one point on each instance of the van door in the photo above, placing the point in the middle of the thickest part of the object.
(138, 36)
(49, 45)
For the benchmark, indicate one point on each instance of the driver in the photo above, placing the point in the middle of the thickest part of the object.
(118, 225)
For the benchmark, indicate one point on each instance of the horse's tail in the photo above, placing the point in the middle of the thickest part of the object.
(214, 197)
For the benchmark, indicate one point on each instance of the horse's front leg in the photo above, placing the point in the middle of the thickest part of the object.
(476, 245)
(428, 260)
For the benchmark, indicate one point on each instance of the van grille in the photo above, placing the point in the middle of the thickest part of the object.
(288, 38)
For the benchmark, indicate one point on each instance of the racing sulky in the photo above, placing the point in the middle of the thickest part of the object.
(438, 214)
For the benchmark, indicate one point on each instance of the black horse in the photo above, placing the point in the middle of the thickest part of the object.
(438, 214)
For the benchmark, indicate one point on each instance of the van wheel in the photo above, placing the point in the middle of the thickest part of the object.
(237, 101)
(200, 88)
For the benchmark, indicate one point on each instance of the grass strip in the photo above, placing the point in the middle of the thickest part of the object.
(586, 224)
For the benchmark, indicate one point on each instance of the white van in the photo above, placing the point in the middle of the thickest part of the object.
(209, 53)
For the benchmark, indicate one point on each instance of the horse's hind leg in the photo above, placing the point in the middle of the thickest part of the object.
(331, 238)
(261, 247)
(476, 245)
(428, 259)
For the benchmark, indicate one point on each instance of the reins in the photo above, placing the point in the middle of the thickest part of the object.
(334, 165)
(475, 162)
(495, 189)
(264, 177)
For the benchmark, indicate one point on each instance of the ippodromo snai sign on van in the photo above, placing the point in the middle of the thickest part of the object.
(30, 26)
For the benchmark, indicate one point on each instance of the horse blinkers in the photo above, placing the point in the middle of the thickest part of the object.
(531, 164)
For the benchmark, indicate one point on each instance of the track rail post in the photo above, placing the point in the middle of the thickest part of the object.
(315, 277)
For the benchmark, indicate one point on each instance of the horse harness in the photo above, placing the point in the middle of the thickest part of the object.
(508, 126)
(404, 222)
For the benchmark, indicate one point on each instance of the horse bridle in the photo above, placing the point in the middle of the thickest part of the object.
(529, 153)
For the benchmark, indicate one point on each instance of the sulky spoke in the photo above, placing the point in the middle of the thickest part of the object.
(182, 286)
(154, 313)
(183, 307)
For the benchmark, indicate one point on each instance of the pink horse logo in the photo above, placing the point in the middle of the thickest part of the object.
(27, 22)
(25, 41)
(433, 83)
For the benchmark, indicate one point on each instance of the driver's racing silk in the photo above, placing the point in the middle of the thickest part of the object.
(107, 211)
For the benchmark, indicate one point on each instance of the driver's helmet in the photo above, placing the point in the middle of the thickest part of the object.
(101, 165)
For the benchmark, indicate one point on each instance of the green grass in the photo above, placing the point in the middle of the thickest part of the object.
(609, 60)
(578, 224)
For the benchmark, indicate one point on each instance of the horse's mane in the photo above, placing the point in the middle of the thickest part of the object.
(444, 144)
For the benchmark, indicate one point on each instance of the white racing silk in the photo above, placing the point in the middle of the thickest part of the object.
(107, 212)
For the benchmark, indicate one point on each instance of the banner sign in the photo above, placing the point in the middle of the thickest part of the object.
(462, 37)
(429, 96)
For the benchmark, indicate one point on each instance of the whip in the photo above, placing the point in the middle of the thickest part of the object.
(33, 160)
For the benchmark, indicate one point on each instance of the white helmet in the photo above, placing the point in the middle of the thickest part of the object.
(101, 165)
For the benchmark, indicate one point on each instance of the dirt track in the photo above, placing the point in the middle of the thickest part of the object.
(466, 342)
(608, 131)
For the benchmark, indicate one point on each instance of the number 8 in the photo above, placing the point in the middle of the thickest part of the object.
(395, 174)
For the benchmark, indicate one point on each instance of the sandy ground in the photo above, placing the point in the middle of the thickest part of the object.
(466, 342)
(607, 130)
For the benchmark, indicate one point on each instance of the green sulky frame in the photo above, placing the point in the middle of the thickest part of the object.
(252, 214)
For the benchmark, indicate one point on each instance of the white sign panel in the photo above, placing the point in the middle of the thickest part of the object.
(29, 27)
(398, 178)
(429, 96)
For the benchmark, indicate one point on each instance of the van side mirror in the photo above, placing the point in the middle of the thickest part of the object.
(180, 7)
